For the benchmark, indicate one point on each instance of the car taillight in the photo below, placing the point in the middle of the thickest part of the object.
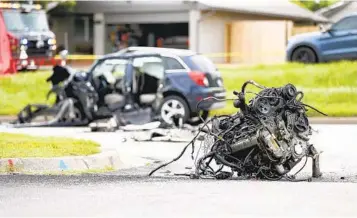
(199, 78)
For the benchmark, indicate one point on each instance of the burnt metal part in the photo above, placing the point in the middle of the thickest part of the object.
(62, 114)
(265, 139)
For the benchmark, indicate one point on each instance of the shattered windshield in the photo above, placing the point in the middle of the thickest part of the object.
(33, 21)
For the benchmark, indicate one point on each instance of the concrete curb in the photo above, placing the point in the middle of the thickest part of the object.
(105, 161)
(333, 120)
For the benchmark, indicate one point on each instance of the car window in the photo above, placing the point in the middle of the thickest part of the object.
(348, 23)
(115, 66)
(172, 64)
(150, 65)
(203, 64)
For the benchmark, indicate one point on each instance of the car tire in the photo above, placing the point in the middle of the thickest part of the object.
(194, 121)
(78, 113)
(172, 105)
(304, 55)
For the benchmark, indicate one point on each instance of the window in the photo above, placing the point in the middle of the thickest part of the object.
(83, 28)
(13, 21)
(202, 63)
(152, 66)
(114, 66)
(348, 23)
(35, 21)
(32, 21)
(79, 27)
(172, 64)
(139, 61)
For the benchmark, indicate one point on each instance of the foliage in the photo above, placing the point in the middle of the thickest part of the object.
(19, 145)
(65, 4)
(314, 5)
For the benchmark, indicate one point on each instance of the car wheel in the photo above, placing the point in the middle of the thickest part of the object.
(77, 116)
(196, 120)
(304, 55)
(171, 106)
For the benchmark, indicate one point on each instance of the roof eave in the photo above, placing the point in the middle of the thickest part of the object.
(319, 19)
(337, 6)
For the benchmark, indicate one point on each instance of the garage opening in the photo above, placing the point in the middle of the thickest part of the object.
(167, 35)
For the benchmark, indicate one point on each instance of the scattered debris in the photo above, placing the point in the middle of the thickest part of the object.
(165, 135)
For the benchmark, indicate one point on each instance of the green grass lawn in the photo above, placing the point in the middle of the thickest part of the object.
(22, 89)
(329, 87)
(18, 145)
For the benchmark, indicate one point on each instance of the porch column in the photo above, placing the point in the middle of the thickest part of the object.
(193, 29)
(99, 34)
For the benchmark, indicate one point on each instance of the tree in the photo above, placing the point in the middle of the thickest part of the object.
(63, 4)
(314, 5)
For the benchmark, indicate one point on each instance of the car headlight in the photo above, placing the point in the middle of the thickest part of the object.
(52, 41)
(23, 41)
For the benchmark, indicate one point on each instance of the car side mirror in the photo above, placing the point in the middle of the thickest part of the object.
(322, 28)
(325, 29)
(63, 54)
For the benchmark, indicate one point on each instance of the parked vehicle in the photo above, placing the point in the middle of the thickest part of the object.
(32, 43)
(339, 42)
(189, 77)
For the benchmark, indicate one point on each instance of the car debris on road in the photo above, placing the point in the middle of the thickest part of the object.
(265, 139)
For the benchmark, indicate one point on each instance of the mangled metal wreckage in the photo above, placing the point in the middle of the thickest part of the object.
(266, 139)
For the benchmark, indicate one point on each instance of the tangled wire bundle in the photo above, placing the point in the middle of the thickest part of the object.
(265, 139)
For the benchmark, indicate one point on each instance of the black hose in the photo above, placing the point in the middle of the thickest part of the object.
(224, 162)
(199, 164)
(318, 111)
(175, 159)
(252, 83)
(180, 155)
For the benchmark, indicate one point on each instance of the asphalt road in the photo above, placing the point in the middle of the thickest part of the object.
(125, 196)
(130, 193)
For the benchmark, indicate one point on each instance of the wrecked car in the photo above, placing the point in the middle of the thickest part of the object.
(134, 88)
(126, 87)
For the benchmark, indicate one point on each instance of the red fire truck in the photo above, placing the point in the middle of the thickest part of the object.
(32, 43)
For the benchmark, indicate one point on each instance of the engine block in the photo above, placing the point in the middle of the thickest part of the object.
(266, 138)
(274, 121)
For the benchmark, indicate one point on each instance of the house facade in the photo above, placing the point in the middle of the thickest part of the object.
(227, 31)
